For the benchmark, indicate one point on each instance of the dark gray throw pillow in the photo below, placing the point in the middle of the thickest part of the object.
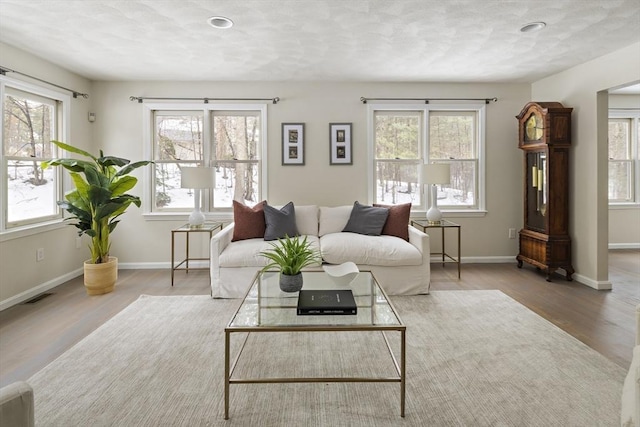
(368, 220)
(280, 222)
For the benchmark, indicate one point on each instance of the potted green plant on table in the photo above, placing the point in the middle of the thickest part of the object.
(95, 204)
(290, 255)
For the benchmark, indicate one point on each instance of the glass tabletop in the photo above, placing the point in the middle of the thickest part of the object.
(207, 226)
(265, 305)
(428, 224)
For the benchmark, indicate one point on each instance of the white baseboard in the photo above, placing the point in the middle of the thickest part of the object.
(143, 265)
(157, 265)
(483, 260)
(28, 294)
(602, 285)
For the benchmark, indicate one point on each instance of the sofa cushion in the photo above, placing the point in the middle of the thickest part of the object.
(333, 220)
(368, 220)
(307, 220)
(249, 222)
(398, 220)
(280, 223)
(368, 250)
(246, 253)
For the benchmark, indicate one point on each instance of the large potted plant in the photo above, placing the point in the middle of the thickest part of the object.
(95, 204)
(290, 255)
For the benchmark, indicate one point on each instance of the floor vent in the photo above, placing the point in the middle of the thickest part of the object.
(38, 298)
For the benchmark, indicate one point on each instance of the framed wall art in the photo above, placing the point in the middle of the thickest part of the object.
(293, 143)
(340, 144)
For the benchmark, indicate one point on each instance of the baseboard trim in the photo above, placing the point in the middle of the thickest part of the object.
(599, 285)
(482, 260)
(157, 265)
(30, 293)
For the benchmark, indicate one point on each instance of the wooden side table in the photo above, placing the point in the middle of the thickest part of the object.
(207, 227)
(442, 225)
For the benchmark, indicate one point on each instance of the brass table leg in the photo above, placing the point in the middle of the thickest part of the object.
(227, 342)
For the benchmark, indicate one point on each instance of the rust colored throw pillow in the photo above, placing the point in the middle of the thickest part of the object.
(398, 220)
(249, 222)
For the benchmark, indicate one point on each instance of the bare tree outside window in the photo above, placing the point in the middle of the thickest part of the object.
(620, 160)
(452, 139)
(397, 156)
(178, 143)
(28, 127)
(231, 144)
(236, 140)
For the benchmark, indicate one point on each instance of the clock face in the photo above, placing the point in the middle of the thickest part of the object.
(534, 127)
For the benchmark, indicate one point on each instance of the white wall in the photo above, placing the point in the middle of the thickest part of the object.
(585, 89)
(624, 223)
(20, 275)
(119, 132)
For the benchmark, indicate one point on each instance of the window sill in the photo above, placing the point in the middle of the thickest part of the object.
(180, 216)
(446, 214)
(31, 229)
(623, 206)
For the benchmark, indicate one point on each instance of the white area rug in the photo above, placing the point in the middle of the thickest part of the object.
(474, 358)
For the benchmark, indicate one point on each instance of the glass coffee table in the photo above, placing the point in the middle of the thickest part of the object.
(265, 308)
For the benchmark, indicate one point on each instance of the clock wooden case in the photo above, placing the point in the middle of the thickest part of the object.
(544, 134)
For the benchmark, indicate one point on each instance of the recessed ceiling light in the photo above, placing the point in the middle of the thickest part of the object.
(220, 22)
(532, 27)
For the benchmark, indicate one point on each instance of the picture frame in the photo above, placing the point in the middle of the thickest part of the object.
(340, 144)
(293, 144)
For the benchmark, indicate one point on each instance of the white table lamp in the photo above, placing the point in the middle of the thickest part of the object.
(197, 178)
(434, 174)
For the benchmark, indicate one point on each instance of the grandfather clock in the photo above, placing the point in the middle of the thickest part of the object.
(544, 134)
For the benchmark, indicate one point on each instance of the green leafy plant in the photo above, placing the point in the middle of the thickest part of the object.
(291, 255)
(99, 197)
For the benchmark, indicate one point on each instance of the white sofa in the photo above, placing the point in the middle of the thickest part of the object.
(16, 405)
(401, 267)
(630, 408)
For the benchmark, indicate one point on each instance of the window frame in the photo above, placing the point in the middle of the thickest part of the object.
(149, 212)
(479, 208)
(16, 229)
(633, 115)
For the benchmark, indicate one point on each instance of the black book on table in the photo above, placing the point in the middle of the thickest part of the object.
(326, 302)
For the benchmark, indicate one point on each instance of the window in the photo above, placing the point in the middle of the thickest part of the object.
(31, 118)
(624, 127)
(228, 138)
(405, 137)
(453, 139)
(397, 136)
(178, 142)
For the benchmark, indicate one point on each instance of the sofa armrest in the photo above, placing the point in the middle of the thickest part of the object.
(218, 243)
(16, 405)
(638, 324)
(421, 241)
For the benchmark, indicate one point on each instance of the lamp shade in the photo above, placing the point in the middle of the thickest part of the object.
(197, 177)
(437, 173)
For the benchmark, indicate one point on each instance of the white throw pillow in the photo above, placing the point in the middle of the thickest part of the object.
(307, 220)
(333, 220)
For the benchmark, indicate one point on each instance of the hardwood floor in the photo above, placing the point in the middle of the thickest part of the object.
(33, 335)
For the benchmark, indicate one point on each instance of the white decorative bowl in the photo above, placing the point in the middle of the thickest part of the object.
(342, 274)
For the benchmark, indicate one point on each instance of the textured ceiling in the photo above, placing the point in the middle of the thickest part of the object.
(319, 40)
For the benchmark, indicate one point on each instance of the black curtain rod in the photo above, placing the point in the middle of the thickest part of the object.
(76, 94)
(205, 100)
(426, 100)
